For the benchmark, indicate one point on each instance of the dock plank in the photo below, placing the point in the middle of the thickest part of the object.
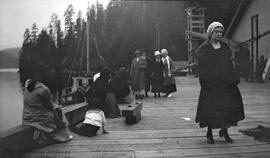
(162, 131)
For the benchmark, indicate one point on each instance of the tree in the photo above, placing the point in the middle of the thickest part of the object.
(69, 24)
(78, 25)
(34, 32)
(26, 36)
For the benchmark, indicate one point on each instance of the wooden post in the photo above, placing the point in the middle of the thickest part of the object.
(256, 45)
(251, 51)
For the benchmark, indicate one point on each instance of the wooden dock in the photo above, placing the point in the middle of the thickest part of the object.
(164, 131)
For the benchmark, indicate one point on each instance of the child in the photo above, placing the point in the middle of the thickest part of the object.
(94, 119)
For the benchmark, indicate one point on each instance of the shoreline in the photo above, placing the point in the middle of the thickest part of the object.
(9, 69)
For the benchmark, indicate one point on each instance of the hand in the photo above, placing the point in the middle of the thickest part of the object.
(105, 132)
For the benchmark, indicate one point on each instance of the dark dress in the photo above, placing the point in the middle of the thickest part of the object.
(220, 102)
(157, 78)
(148, 70)
(100, 90)
(119, 86)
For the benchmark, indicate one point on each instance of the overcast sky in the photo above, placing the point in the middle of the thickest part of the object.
(17, 15)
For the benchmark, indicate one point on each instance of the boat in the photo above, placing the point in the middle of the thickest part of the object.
(80, 84)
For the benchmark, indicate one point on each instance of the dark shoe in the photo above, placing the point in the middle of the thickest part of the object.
(146, 94)
(209, 136)
(210, 140)
(224, 133)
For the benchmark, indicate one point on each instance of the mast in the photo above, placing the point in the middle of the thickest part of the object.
(88, 44)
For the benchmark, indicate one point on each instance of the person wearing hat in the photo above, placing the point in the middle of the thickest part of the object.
(137, 75)
(157, 78)
(220, 103)
(169, 82)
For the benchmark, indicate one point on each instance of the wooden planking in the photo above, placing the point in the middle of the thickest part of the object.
(162, 132)
(164, 143)
(202, 151)
(81, 154)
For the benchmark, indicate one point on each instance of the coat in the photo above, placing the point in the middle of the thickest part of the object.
(137, 73)
(39, 112)
(157, 77)
(220, 103)
(169, 80)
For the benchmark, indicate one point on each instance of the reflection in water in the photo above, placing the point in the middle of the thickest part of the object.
(11, 99)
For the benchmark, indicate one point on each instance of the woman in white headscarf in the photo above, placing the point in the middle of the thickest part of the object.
(220, 102)
(168, 72)
(157, 77)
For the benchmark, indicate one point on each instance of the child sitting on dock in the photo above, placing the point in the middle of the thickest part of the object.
(94, 119)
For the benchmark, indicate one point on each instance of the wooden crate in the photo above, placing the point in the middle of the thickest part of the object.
(132, 113)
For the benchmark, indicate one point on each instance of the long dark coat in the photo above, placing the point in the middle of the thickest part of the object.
(157, 77)
(220, 102)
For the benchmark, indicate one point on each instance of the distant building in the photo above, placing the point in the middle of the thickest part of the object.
(251, 20)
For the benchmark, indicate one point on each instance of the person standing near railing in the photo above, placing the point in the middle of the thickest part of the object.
(220, 102)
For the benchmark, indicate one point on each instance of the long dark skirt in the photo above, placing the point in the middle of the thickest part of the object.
(220, 105)
(169, 88)
(157, 87)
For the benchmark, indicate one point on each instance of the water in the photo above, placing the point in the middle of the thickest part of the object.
(11, 99)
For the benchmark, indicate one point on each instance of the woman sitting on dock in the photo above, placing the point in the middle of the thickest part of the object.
(41, 113)
(120, 87)
(100, 90)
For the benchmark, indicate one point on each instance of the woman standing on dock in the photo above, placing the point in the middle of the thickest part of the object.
(168, 72)
(157, 77)
(137, 75)
(40, 112)
(220, 102)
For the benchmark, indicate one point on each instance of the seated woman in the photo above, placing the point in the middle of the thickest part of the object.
(120, 88)
(100, 91)
(94, 119)
(40, 112)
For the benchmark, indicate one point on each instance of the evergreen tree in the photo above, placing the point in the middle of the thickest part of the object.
(26, 36)
(34, 32)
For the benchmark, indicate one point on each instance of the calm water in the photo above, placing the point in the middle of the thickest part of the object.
(11, 99)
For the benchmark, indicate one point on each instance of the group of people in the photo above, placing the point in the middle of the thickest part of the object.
(157, 73)
(220, 104)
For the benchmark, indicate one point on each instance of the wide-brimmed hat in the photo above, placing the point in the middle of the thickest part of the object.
(156, 53)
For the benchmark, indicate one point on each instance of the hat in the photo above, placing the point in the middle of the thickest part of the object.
(212, 26)
(156, 53)
(164, 51)
(137, 51)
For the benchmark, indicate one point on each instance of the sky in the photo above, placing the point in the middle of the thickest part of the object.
(17, 15)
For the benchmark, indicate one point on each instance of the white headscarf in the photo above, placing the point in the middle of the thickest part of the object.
(156, 53)
(212, 26)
